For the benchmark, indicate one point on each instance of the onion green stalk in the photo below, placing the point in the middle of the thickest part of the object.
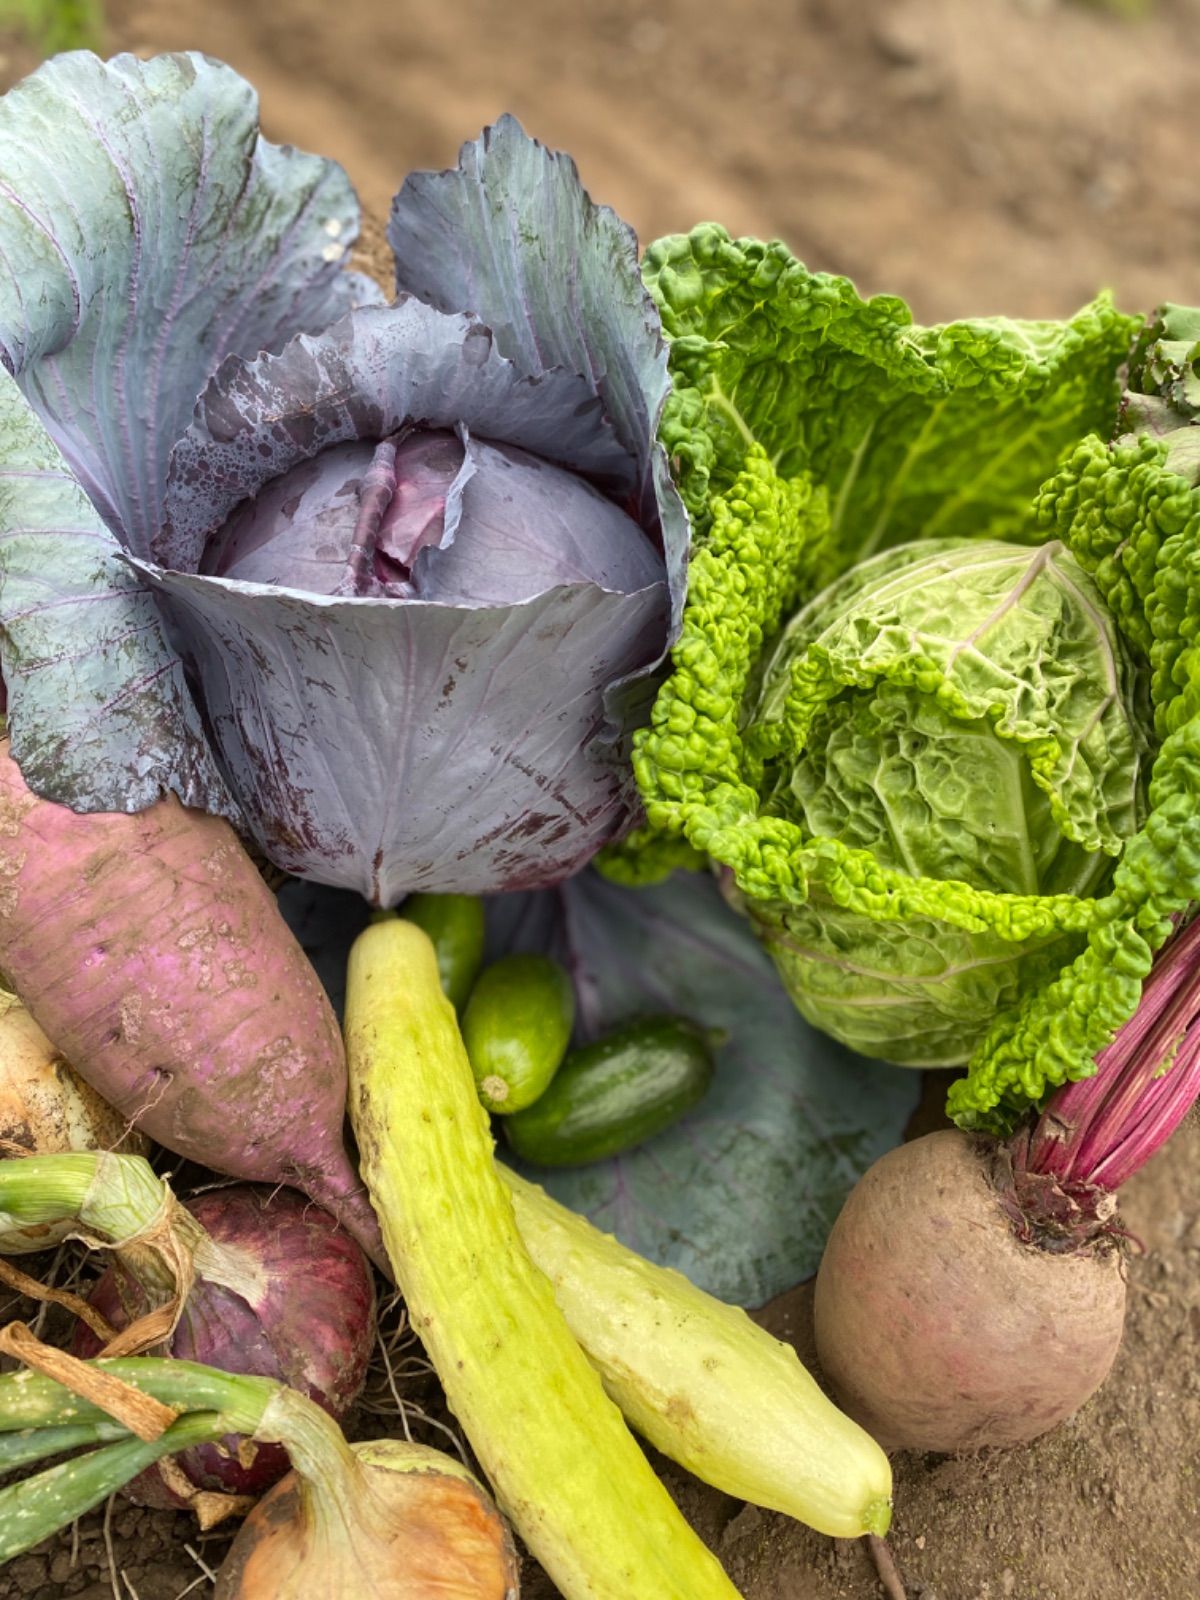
(26, 1449)
(36, 1507)
(119, 1201)
(40, 1417)
(110, 1194)
(381, 1520)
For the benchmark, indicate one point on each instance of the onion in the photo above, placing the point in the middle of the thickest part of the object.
(255, 1281)
(399, 1522)
(281, 1291)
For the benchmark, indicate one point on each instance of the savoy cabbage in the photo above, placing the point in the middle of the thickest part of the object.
(813, 429)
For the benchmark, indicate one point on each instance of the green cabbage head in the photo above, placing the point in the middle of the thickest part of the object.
(958, 714)
(923, 782)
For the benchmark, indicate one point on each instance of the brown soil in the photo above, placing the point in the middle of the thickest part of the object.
(992, 156)
(997, 155)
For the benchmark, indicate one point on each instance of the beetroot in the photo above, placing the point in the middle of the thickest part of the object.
(281, 1291)
(938, 1327)
(972, 1290)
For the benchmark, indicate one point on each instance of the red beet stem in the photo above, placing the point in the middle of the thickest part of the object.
(1099, 1131)
(1161, 1109)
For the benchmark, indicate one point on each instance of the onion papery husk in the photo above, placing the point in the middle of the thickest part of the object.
(278, 1290)
(404, 1523)
(247, 1279)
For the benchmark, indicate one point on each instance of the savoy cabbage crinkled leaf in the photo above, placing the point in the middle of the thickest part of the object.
(812, 428)
(910, 432)
(1129, 511)
(960, 712)
(388, 584)
(146, 231)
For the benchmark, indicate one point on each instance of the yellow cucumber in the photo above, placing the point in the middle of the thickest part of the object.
(563, 1464)
(703, 1383)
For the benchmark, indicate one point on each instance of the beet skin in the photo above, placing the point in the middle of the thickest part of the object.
(938, 1327)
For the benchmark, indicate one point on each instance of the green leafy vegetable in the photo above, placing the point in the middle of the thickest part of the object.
(956, 717)
(810, 429)
(910, 432)
(54, 25)
(1130, 512)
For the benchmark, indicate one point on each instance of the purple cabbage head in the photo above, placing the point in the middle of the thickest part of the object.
(389, 584)
(432, 515)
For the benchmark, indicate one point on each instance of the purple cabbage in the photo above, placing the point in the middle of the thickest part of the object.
(390, 585)
(432, 516)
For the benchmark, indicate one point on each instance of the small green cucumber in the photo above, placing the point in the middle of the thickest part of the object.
(703, 1383)
(454, 922)
(555, 1448)
(616, 1093)
(516, 1027)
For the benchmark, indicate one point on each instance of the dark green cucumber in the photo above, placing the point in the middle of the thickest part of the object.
(616, 1093)
(454, 923)
(516, 1027)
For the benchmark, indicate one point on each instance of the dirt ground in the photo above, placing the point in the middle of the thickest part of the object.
(990, 156)
(996, 155)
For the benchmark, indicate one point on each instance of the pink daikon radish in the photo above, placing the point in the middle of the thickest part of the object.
(148, 948)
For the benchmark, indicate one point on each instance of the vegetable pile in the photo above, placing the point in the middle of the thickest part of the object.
(858, 657)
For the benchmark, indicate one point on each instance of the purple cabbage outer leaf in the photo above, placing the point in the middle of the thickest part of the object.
(442, 702)
(390, 746)
(741, 1193)
(502, 235)
(120, 680)
(146, 232)
(512, 235)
